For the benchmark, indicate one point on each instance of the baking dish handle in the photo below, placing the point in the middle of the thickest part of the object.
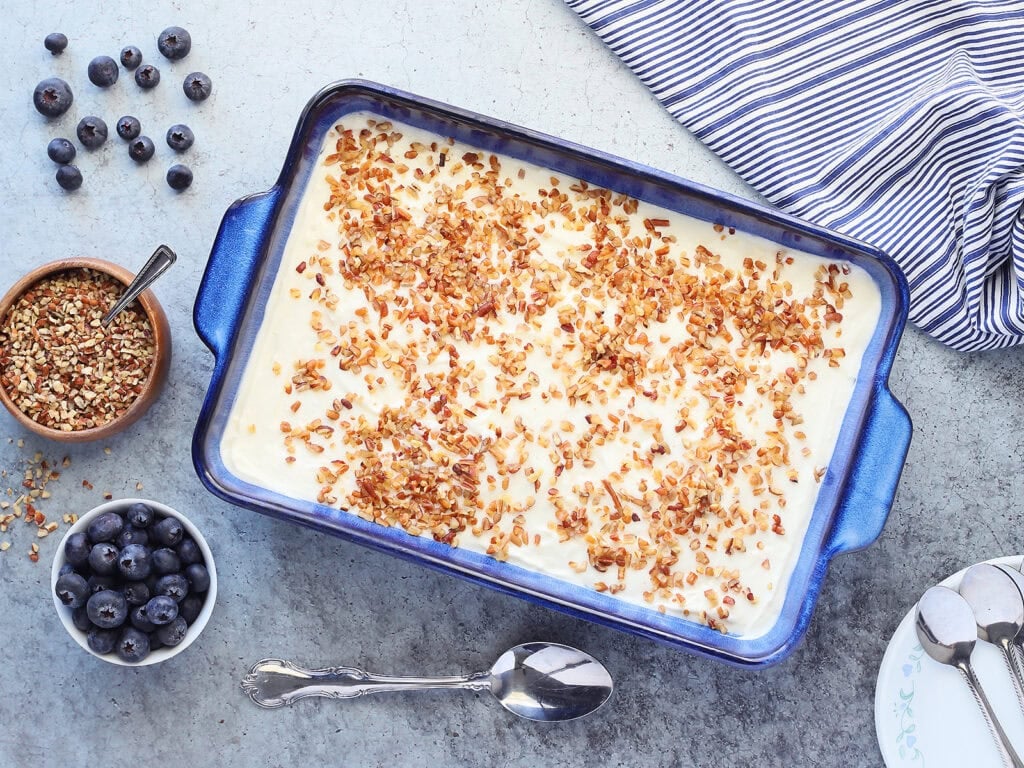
(228, 277)
(875, 476)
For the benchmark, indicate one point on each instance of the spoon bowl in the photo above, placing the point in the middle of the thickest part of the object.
(537, 681)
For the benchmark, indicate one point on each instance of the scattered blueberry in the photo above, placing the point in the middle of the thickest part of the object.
(140, 620)
(55, 43)
(133, 645)
(141, 149)
(140, 515)
(128, 128)
(80, 618)
(134, 562)
(165, 561)
(108, 609)
(92, 132)
(173, 633)
(189, 551)
(133, 535)
(52, 97)
(99, 583)
(77, 548)
(174, 585)
(180, 137)
(131, 57)
(137, 593)
(103, 559)
(61, 151)
(197, 86)
(69, 177)
(102, 640)
(160, 610)
(168, 532)
(147, 76)
(103, 71)
(190, 608)
(198, 577)
(105, 527)
(72, 590)
(174, 43)
(179, 177)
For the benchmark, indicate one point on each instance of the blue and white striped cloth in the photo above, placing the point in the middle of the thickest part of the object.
(899, 122)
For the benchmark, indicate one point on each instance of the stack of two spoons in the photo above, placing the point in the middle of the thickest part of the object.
(989, 606)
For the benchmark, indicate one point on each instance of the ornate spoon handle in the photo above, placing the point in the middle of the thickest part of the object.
(272, 683)
(1006, 751)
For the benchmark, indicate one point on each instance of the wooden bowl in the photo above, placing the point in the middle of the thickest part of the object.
(157, 373)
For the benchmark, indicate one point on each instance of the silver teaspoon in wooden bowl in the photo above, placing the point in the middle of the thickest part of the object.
(538, 681)
(946, 628)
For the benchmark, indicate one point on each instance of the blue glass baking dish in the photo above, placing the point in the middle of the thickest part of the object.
(856, 492)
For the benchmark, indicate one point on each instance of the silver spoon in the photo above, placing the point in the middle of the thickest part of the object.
(999, 613)
(538, 681)
(158, 263)
(947, 631)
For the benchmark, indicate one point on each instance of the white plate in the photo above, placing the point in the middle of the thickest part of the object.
(925, 716)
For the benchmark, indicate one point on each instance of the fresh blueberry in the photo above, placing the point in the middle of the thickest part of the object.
(154, 642)
(102, 640)
(141, 149)
(165, 561)
(72, 590)
(52, 97)
(61, 151)
(107, 609)
(134, 562)
(197, 86)
(180, 137)
(168, 532)
(161, 610)
(174, 585)
(55, 43)
(76, 549)
(106, 527)
(99, 583)
(66, 568)
(103, 559)
(132, 646)
(128, 128)
(92, 132)
(198, 577)
(133, 535)
(190, 608)
(131, 57)
(174, 43)
(179, 177)
(69, 177)
(80, 618)
(173, 633)
(136, 593)
(140, 620)
(189, 551)
(147, 76)
(103, 71)
(140, 515)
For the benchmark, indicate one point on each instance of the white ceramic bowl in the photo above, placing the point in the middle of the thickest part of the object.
(160, 654)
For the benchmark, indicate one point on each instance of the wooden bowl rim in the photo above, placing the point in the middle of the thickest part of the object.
(161, 354)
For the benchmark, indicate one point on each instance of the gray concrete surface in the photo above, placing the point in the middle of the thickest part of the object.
(286, 591)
